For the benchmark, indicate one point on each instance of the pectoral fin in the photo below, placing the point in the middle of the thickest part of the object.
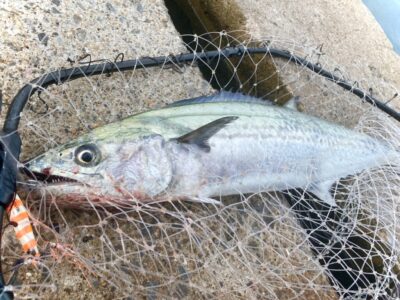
(201, 135)
(322, 191)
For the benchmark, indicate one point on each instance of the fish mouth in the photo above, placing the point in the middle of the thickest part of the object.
(46, 178)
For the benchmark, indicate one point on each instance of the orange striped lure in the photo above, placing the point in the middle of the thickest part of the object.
(18, 215)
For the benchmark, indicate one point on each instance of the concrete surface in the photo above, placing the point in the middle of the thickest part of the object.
(41, 36)
(351, 38)
(38, 36)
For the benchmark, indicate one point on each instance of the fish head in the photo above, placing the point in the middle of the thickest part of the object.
(69, 164)
(111, 169)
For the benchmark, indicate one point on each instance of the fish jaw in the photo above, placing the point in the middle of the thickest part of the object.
(46, 182)
(72, 193)
(78, 196)
(41, 169)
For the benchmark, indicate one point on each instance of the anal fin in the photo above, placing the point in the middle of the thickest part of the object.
(322, 191)
(204, 200)
(294, 104)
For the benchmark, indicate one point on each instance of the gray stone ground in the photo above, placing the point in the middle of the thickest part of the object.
(38, 36)
(346, 28)
(351, 40)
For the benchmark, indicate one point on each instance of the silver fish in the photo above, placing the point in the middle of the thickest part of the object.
(202, 148)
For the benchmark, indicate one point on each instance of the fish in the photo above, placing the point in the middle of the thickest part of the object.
(203, 148)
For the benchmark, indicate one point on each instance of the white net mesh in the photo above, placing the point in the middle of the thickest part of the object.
(252, 246)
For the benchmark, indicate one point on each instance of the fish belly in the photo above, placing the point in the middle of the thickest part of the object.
(255, 166)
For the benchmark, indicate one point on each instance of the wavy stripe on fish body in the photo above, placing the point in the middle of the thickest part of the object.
(260, 148)
(270, 158)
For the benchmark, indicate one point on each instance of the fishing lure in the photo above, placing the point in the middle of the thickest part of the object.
(19, 217)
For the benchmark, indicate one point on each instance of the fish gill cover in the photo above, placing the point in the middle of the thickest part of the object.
(263, 245)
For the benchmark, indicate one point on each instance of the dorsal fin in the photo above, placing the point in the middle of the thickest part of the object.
(222, 96)
(201, 135)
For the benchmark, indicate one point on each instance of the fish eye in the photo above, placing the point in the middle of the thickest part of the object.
(87, 155)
